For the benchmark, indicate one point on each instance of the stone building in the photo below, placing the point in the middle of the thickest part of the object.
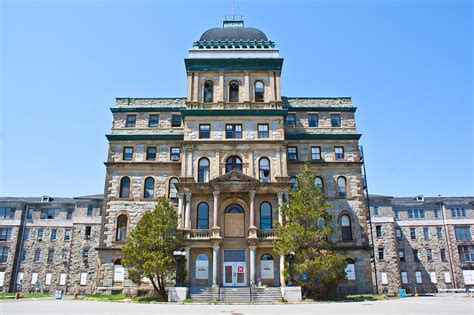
(423, 242)
(227, 154)
(49, 243)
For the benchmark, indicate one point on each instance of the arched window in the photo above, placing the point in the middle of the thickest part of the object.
(208, 94)
(203, 170)
(172, 190)
(203, 216)
(265, 216)
(124, 187)
(122, 222)
(350, 269)
(318, 183)
(267, 267)
(259, 91)
(294, 182)
(149, 187)
(233, 91)
(346, 228)
(264, 169)
(266, 257)
(233, 163)
(342, 186)
(202, 267)
(234, 208)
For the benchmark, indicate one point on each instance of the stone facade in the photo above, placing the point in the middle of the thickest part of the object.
(426, 242)
(231, 148)
(52, 244)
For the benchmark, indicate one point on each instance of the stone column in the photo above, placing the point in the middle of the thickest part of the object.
(280, 202)
(282, 271)
(215, 264)
(252, 208)
(187, 216)
(246, 86)
(180, 208)
(196, 87)
(216, 208)
(253, 250)
(221, 87)
(287, 198)
(188, 258)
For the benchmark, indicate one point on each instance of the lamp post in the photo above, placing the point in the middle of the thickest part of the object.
(290, 257)
(179, 256)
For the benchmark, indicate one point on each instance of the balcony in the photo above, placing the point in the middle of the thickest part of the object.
(266, 234)
(198, 234)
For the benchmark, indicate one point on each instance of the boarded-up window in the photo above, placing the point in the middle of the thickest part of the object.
(404, 276)
(83, 280)
(49, 275)
(62, 279)
(418, 277)
(384, 277)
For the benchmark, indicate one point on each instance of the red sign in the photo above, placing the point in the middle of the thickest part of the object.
(240, 269)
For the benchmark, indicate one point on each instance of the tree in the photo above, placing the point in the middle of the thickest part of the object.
(305, 232)
(149, 248)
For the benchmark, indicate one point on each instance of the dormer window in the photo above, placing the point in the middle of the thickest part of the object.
(233, 91)
(259, 91)
(208, 92)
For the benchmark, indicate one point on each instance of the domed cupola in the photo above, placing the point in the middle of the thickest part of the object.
(233, 34)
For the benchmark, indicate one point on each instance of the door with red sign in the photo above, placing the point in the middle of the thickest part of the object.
(235, 274)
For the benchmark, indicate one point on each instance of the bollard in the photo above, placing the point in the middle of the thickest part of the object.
(416, 292)
(74, 296)
(17, 296)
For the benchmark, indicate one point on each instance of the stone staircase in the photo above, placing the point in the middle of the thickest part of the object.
(235, 295)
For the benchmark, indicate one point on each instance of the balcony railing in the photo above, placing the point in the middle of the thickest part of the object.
(266, 234)
(200, 234)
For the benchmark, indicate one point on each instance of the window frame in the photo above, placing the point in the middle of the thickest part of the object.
(234, 93)
(200, 219)
(346, 230)
(122, 188)
(339, 156)
(147, 194)
(316, 154)
(129, 122)
(263, 134)
(174, 120)
(233, 165)
(203, 170)
(233, 133)
(206, 91)
(174, 154)
(153, 123)
(342, 190)
(150, 156)
(260, 98)
(290, 154)
(292, 122)
(313, 123)
(260, 169)
(127, 156)
(336, 123)
(203, 133)
(266, 221)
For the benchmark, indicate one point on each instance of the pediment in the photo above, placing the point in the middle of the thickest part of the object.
(233, 177)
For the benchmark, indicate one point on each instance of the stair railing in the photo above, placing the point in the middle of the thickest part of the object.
(253, 291)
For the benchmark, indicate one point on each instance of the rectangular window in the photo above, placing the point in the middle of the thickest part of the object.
(131, 121)
(50, 256)
(378, 231)
(436, 213)
(398, 232)
(442, 253)
(34, 278)
(335, 120)
(3, 254)
(69, 214)
(175, 152)
(429, 254)
(23, 255)
(422, 213)
(83, 280)
(463, 233)
(433, 277)
(39, 233)
(381, 253)
(292, 153)
(153, 120)
(466, 253)
(85, 253)
(439, 233)
(339, 153)
(65, 256)
(90, 210)
(67, 234)
(87, 232)
(458, 212)
(127, 153)
(263, 132)
(384, 277)
(175, 120)
(29, 214)
(233, 131)
(5, 234)
(54, 233)
(151, 153)
(315, 153)
(62, 279)
(313, 120)
(49, 213)
(7, 213)
(37, 256)
(26, 234)
(426, 235)
(410, 213)
(205, 131)
(418, 277)
(404, 276)
(290, 120)
(49, 276)
(376, 210)
(401, 255)
(396, 213)
(413, 233)
(447, 277)
(415, 255)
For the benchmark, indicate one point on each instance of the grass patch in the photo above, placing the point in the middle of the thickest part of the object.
(187, 300)
(105, 297)
(147, 299)
(34, 295)
(355, 298)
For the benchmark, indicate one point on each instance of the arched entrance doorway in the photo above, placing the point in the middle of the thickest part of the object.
(234, 221)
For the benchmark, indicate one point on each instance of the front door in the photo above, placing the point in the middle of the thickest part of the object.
(234, 274)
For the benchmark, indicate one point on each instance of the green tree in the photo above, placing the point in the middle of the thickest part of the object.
(149, 248)
(306, 233)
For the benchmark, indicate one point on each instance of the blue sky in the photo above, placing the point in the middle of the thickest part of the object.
(406, 64)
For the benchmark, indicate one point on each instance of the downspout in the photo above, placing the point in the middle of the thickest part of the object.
(445, 228)
(18, 250)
